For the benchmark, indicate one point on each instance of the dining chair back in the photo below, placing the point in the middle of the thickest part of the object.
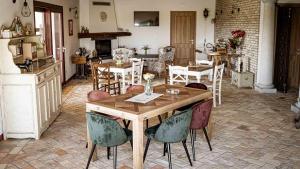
(135, 89)
(178, 74)
(201, 114)
(175, 128)
(167, 64)
(200, 119)
(103, 79)
(137, 72)
(97, 95)
(217, 83)
(106, 132)
(197, 86)
(126, 54)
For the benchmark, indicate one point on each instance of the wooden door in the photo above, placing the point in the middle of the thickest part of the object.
(294, 57)
(282, 49)
(183, 36)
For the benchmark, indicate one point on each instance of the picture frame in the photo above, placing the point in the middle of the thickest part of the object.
(70, 27)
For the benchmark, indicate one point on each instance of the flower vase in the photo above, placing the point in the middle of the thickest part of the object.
(148, 88)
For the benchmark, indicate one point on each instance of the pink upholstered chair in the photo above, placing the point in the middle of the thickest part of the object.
(97, 95)
(200, 118)
(135, 88)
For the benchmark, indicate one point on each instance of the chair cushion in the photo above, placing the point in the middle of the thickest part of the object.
(150, 132)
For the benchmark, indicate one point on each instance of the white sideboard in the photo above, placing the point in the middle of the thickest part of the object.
(30, 101)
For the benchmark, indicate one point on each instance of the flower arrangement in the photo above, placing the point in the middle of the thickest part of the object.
(148, 87)
(148, 76)
(237, 39)
(119, 58)
(146, 48)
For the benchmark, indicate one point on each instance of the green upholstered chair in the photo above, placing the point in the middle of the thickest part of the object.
(106, 132)
(172, 130)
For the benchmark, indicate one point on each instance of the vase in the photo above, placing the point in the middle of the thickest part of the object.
(148, 88)
(145, 52)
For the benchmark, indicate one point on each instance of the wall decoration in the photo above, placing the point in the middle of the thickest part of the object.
(26, 12)
(70, 27)
(205, 13)
(103, 16)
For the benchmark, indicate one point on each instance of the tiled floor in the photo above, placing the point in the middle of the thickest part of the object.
(252, 131)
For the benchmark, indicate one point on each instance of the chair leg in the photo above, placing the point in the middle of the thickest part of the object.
(146, 148)
(126, 124)
(193, 144)
(131, 144)
(169, 155)
(206, 136)
(115, 158)
(220, 101)
(108, 152)
(165, 149)
(187, 152)
(90, 157)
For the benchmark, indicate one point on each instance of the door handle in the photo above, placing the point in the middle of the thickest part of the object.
(192, 41)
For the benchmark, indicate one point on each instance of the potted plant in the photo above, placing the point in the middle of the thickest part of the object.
(146, 48)
(237, 39)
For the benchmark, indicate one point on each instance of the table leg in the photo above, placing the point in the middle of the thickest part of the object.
(138, 143)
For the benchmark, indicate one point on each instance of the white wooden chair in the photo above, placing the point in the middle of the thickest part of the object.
(137, 71)
(126, 53)
(209, 63)
(216, 86)
(178, 74)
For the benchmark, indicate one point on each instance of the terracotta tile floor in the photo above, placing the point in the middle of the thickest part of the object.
(252, 131)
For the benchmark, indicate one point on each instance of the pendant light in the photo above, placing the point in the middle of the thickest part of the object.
(25, 10)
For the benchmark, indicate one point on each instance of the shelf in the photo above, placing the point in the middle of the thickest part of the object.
(103, 35)
(20, 37)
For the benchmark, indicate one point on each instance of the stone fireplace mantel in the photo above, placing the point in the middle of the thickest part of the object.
(103, 35)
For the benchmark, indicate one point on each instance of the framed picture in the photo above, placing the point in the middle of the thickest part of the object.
(70, 27)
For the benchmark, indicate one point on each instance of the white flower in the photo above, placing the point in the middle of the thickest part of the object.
(148, 76)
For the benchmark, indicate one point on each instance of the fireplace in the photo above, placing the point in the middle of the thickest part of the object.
(103, 48)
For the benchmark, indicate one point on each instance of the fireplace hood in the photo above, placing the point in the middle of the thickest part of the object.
(103, 35)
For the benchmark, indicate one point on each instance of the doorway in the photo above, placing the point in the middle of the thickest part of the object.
(287, 56)
(49, 24)
(183, 36)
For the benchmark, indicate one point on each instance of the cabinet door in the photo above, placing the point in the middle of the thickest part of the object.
(52, 98)
(43, 107)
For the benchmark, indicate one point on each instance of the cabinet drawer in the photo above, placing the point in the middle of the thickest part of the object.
(41, 78)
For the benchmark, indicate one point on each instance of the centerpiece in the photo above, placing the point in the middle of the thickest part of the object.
(146, 48)
(237, 40)
(119, 58)
(148, 87)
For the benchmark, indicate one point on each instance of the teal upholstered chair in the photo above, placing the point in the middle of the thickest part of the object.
(172, 130)
(106, 132)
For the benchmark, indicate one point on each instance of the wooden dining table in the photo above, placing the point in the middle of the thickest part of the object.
(138, 113)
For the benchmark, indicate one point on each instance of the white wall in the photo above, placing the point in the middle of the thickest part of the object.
(155, 37)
